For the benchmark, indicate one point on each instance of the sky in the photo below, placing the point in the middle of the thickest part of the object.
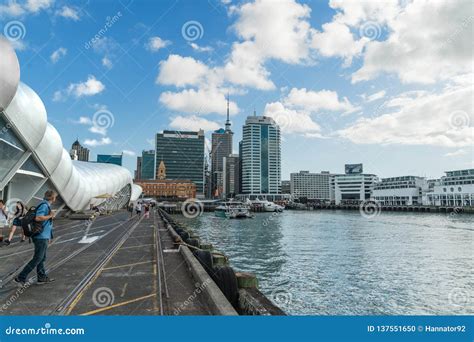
(383, 83)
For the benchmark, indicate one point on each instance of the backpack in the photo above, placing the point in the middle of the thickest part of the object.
(30, 226)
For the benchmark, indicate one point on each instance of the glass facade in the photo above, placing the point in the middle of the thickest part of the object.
(183, 154)
(148, 165)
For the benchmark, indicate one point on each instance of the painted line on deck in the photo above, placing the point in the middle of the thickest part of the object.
(117, 305)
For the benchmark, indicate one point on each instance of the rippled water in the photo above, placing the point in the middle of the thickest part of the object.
(340, 263)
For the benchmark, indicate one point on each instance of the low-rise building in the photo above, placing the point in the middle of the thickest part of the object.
(312, 186)
(168, 189)
(404, 190)
(456, 189)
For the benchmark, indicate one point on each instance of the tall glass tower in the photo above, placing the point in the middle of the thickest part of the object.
(261, 156)
(183, 154)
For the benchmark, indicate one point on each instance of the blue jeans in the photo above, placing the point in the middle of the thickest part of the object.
(41, 246)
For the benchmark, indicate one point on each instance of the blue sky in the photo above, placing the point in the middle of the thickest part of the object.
(386, 84)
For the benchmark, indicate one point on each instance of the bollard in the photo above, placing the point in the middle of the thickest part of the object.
(246, 280)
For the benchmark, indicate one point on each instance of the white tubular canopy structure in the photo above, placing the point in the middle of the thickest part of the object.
(33, 159)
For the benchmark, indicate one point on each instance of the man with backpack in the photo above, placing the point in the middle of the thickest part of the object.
(42, 235)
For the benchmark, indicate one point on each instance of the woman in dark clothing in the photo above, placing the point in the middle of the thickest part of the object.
(20, 211)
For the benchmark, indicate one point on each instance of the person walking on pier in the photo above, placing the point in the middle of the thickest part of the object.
(20, 211)
(44, 217)
(147, 211)
(3, 218)
(138, 209)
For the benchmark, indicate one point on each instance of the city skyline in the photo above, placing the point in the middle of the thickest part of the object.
(336, 103)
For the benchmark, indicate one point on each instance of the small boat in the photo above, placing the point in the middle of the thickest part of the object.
(233, 209)
(266, 205)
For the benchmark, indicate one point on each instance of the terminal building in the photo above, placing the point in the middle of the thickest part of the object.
(455, 189)
(354, 186)
(33, 159)
(404, 190)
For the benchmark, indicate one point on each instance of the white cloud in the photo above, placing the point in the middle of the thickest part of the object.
(374, 97)
(98, 130)
(38, 5)
(58, 54)
(181, 71)
(84, 120)
(193, 123)
(156, 43)
(95, 142)
(438, 119)
(69, 13)
(11, 9)
(336, 40)
(429, 41)
(201, 48)
(88, 88)
(316, 101)
(107, 62)
(201, 101)
(129, 153)
(460, 152)
(291, 120)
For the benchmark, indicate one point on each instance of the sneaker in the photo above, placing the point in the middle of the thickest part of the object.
(7, 242)
(45, 280)
(22, 240)
(19, 282)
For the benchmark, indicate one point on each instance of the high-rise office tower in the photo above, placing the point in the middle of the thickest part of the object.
(183, 154)
(148, 165)
(261, 156)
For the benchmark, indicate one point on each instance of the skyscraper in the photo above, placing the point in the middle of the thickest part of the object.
(138, 171)
(148, 165)
(261, 156)
(183, 154)
(77, 150)
(110, 159)
(221, 148)
(231, 180)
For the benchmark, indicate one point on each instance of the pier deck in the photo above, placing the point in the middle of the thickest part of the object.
(114, 265)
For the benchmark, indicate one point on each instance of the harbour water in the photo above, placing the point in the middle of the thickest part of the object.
(342, 263)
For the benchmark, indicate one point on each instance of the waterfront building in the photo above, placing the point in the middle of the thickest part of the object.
(115, 159)
(148, 165)
(79, 152)
(138, 171)
(404, 190)
(168, 189)
(33, 159)
(455, 189)
(312, 186)
(221, 141)
(286, 187)
(183, 154)
(231, 175)
(261, 157)
(353, 186)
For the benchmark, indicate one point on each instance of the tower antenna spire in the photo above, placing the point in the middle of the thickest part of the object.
(227, 123)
